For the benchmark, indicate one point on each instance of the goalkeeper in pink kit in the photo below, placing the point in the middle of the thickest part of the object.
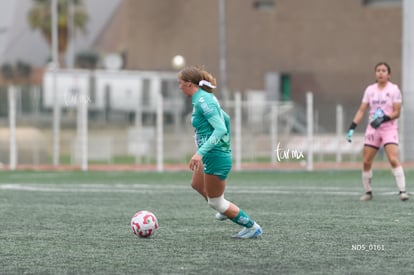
(383, 99)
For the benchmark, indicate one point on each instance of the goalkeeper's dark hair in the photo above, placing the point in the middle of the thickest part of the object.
(385, 64)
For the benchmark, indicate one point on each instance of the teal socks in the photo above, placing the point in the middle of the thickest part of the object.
(243, 219)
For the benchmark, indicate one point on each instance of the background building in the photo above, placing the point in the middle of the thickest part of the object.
(329, 47)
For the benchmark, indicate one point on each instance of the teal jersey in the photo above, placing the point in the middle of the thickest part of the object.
(211, 123)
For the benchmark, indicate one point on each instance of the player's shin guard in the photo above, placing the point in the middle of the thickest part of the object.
(398, 173)
(243, 219)
(366, 180)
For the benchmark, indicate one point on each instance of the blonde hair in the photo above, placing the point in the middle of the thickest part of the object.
(195, 74)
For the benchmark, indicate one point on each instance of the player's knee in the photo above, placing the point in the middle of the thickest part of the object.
(367, 163)
(197, 185)
(393, 160)
(194, 186)
(220, 204)
(200, 189)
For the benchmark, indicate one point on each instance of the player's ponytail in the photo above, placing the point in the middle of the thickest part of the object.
(208, 82)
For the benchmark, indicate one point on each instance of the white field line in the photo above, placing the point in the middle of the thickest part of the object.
(154, 188)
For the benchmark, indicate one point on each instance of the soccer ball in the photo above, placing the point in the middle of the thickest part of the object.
(144, 223)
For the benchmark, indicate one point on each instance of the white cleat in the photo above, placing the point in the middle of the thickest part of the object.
(249, 233)
(221, 217)
(404, 196)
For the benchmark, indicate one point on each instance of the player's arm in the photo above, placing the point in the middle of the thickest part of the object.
(357, 119)
(360, 113)
(396, 111)
(217, 122)
(214, 118)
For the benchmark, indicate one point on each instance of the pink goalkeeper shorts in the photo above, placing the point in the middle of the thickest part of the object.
(379, 137)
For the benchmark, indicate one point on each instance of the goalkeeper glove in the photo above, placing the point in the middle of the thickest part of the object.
(351, 131)
(378, 118)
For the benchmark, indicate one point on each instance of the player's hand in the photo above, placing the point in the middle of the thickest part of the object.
(195, 162)
(349, 135)
(377, 122)
(378, 118)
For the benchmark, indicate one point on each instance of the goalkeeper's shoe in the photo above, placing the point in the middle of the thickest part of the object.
(404, 196)
(249, 233)
(221, 217)
(366, 197)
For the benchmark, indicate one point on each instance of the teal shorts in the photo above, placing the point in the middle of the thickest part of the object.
(218, 164)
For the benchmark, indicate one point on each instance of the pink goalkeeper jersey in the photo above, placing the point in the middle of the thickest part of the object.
(383, 99)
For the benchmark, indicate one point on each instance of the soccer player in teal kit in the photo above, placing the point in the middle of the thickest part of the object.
(213, 160)
(384, 100)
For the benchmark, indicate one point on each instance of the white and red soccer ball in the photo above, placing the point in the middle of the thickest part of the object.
(144, 224)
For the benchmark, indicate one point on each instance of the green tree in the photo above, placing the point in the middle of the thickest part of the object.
(40, 17)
